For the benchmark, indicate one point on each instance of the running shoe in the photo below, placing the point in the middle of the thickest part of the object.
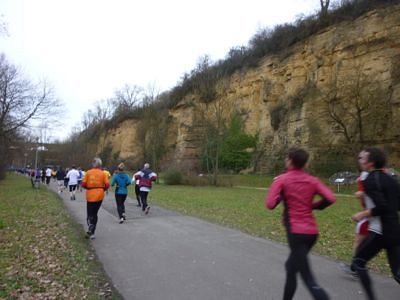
(121, 220)
(347, 270)
(146, 211)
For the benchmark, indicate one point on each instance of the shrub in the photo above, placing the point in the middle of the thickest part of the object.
(197, 180)
(173, 177)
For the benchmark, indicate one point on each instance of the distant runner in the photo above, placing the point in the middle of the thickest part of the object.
(137, 189)
(145, 177)
(121, 180)
(60, 180)
(48, 175)
(72, 177)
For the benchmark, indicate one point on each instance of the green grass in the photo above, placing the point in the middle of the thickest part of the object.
(246, 180)
(43, 253)
(253, 180)
(243, 209)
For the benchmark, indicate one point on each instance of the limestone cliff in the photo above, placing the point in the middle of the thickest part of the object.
(290, 98)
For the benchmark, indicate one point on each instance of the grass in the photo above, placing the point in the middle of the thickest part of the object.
(43, 252)
(243, 209)
(250, 180)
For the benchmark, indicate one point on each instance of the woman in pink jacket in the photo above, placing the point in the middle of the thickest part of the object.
(296, 190)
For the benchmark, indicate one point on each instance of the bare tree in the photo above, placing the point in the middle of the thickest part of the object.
(128, 97)
(21, 102)
(215, 116)
(151, 94)
(103, 110)
(324, 7)
(359, 109)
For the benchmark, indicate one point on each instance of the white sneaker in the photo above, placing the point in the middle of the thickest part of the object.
(92, 236)
(121, 220)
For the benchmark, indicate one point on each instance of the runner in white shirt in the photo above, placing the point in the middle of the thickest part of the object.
(48, 175)
(73, 176)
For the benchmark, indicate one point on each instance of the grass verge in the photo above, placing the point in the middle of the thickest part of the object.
(43, 252)
(243, 209)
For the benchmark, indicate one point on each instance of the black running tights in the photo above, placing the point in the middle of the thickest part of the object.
(368, 249)
(92, 208)
(143, 198)
(137, 193)
(120, 199)
(300, 245)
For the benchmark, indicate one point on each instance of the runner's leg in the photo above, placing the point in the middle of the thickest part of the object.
(393, 254)
(143, 198)
(368, 249)
(300, 245)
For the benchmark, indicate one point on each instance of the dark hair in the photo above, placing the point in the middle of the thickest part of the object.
(298, 156)
(376, 156)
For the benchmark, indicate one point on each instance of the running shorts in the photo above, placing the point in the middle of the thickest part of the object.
(362, 227)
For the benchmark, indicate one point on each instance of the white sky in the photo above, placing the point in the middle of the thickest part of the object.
(89, 48)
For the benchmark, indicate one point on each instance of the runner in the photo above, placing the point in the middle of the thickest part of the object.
(145, 177)
(362, 226)
(296, 189)
(137, 188)
(38, 176)
(48, 175)
(384, 193)
(43, 175)
(95, 182)
(79, 187)
(121, 180)
(33, 177)
(54, 174)
(72, 176)
(108, 174)
(60, 180)
(65, 178)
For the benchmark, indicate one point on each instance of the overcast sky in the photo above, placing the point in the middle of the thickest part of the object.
(89, 48)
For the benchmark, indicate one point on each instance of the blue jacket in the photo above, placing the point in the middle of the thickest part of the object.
(121, 180)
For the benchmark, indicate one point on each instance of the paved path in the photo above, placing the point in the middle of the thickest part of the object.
(169, 256)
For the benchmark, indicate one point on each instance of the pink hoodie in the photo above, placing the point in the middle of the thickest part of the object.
(297, 189)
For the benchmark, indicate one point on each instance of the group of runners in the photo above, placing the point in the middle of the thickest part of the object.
(96, 181)
(380, 195)
(378, 225)
(43, 175)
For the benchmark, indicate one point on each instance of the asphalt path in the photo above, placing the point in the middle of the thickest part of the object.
(169, 256)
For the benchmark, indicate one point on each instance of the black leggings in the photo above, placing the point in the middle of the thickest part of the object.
(137, 192)
(120, 204)
(143, 197)
(92, 209)
(300, 245)
(368, 249)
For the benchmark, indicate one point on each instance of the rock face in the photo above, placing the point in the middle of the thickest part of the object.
(347, 73)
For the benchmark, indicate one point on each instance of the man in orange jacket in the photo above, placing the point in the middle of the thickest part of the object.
(95, 182)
